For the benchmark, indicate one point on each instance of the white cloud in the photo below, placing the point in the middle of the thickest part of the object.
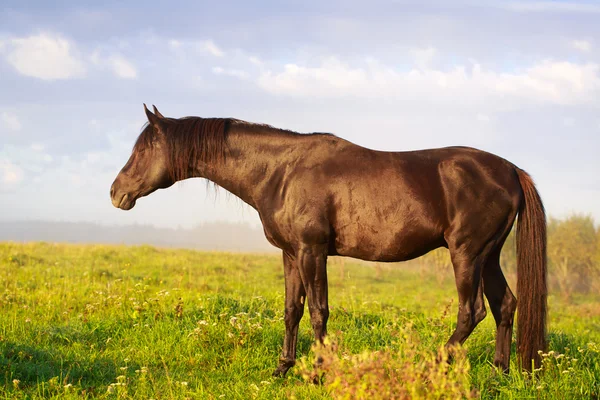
(584, 46)
(10, 121)
(10, 174)
(483, 118)
(210, 47)
(551, 82)
(122, 68)
(175, 44)
(230, 72)
(37, 147)
(118, 64)
(32, 157)
(186, 48)
(330, 79)
(45, 56)
(255, 60)
(95, 58)
(423, 57)
(552, 6)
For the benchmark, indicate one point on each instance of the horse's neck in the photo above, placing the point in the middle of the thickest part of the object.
(251, 164)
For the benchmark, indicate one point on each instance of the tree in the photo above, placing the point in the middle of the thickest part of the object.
(572, 249)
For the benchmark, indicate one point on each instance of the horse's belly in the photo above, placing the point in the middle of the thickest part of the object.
(380, 243)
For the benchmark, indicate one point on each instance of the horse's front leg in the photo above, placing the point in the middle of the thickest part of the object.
(295, 296)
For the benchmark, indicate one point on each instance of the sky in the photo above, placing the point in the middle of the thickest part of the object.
(519, 79)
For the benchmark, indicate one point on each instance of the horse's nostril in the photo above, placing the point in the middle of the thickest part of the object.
(112, 191)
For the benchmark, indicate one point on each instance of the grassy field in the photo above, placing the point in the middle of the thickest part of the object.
(139, 322)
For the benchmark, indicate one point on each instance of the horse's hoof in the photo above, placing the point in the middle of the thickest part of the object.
(500, 367)
(317, 379)
(283, 367)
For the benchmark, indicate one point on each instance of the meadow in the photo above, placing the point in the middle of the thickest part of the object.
(117, 322)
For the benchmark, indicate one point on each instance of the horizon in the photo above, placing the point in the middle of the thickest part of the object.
(396, 76)
(218, 236)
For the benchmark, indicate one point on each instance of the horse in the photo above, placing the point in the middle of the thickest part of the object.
(318, 195)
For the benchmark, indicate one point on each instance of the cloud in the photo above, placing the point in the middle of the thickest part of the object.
(255, 60)
(31, 158)
(186, 48)
(584, 46)
(230, 72)
(552, 6)
(483, 118)
(52, 57)
(10, 174)
(40, 149)
(119, 65)
(423, 57)
(210, 47)
(175, 44)
(332, 78)
(44, 56)
(37, 147)
(547, 82)
(10, 121)
(122, 68)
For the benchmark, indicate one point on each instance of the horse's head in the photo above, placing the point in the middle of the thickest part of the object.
(147, 168)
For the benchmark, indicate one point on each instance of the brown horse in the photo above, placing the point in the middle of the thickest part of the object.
(319, 195)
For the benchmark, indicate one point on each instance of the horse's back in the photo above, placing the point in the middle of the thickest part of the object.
(396, 206)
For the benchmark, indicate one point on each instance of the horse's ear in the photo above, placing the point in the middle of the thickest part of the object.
(153, 119)
(156, 112)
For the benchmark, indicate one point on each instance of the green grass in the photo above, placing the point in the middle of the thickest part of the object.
(139, 322)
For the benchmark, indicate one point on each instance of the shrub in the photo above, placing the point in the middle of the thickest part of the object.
(404, 373)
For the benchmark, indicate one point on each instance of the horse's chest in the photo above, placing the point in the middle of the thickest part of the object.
(286, 230)
(273, 237)
(274, 232)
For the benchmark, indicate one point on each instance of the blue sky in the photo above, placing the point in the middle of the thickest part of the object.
(519, 79)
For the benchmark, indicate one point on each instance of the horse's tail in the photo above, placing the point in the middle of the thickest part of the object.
(532, 290)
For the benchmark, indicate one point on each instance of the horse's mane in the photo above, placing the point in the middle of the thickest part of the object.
(193, 138)
(188, 139)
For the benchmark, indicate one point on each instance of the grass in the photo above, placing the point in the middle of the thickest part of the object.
(138, 322)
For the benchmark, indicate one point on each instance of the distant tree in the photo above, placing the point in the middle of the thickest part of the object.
(596, 280)
(572, 249)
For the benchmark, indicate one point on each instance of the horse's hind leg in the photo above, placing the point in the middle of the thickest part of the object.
(471, 308)
(503, 305)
